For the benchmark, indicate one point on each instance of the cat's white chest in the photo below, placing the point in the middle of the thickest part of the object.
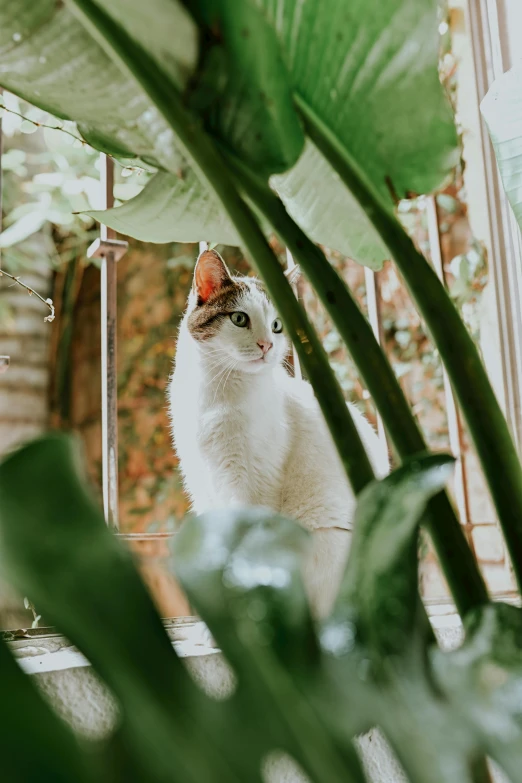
(267, 437)
(232, 447)
(244, 443)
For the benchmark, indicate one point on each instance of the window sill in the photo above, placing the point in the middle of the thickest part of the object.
(42, 650)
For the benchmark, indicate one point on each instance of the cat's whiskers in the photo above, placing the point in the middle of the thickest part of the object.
(210, 367)
(213, 362)
(216, 361)
(229, 372)
(229, 368)
(213, 351)
(221, 371)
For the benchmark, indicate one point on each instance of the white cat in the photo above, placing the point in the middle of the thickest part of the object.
(247, 433)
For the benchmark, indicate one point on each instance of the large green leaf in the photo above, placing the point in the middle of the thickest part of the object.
(35, 745)
(85, 583)
(483, 682)
(378, 630)
(171, 209)
(243, 90)
(342, 62)
(502, 110)
(49, 58)
(242, 570)
(165, 30)
(381, 576)
(47, 52)
(320, 204)
(361, 67)
(241, 87)
(83, 580)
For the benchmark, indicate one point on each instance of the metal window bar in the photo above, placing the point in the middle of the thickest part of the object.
(109, 250)
(491, 59)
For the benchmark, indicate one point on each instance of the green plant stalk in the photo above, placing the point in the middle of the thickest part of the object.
(214, 172)
(483, 415)
(461, 571)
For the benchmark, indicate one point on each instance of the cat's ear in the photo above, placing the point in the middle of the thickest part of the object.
(210, 275)
(293, 274)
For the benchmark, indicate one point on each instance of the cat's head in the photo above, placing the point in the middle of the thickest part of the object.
(233, 319)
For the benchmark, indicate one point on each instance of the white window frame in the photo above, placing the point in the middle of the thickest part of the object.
(492, 26)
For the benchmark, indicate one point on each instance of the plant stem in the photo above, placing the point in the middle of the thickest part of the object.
(456, 559)
(31, 291)
(212, 170)
(36, 124)
(486, 423)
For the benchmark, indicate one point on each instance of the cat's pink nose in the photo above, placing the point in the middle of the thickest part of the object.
(265, 345)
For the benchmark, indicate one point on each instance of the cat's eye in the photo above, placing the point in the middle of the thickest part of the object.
(277, 326)
(239, 319)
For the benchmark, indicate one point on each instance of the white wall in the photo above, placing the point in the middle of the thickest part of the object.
(24, 336)
(510, 23)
